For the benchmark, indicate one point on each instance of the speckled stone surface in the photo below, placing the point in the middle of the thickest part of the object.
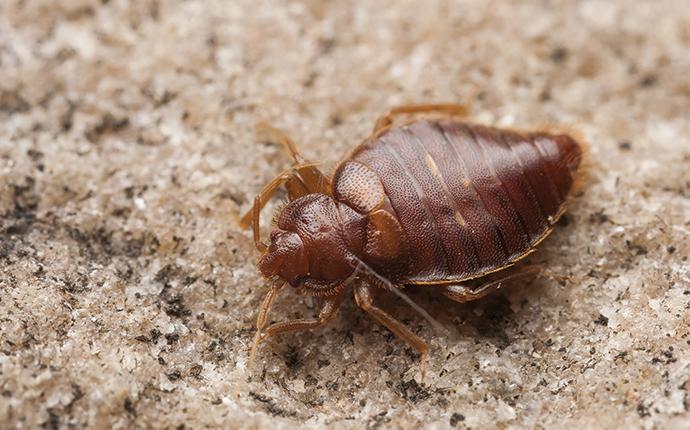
(128, 291)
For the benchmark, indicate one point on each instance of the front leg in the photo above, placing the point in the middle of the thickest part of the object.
(293, 183)
(366, 302)
(326, 314)
(314, 180)
(299, 181)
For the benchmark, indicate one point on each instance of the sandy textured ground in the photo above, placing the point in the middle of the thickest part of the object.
(128, 147)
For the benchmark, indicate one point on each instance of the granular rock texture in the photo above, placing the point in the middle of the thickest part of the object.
(128, 148)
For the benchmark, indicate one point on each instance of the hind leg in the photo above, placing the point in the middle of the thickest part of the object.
(387, 119)
(463, 293)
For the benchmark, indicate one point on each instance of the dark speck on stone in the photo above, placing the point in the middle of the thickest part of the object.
(456, 418)
(292, 358)
(648, 81)
(559, 54)
(602, 320)
(625, 146)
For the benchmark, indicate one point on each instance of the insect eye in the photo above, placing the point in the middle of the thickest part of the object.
(274, 235)
(297, 281)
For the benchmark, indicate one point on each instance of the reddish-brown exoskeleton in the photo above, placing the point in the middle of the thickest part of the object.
(434, 201)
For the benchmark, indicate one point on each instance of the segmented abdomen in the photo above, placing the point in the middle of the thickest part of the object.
(470, 198)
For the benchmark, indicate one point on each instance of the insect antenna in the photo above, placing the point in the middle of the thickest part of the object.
(390, 287)
(262, 318)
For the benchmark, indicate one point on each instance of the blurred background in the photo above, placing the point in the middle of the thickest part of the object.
(128, 147)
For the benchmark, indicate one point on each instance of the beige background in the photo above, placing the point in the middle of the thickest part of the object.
(127, 148)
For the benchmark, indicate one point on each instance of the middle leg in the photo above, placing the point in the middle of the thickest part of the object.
(366, 302)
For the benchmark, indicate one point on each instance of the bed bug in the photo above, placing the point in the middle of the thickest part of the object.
(434, 201)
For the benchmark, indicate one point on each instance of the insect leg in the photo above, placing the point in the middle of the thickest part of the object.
(386, 120)
(292, 182)
(365, 301)
(296, 185)
(284, 140)
(462, 293)
(326, 314)
(314, 180)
